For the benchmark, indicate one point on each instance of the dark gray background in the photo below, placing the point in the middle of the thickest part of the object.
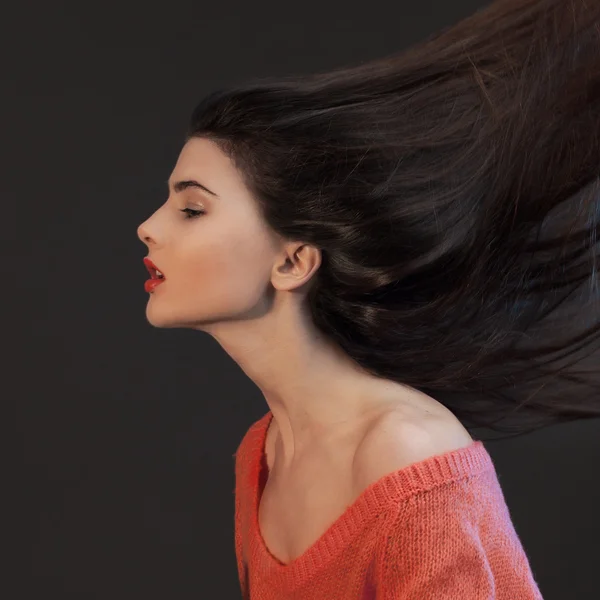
(121, 473)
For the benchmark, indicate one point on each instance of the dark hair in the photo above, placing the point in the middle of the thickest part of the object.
(454, 192)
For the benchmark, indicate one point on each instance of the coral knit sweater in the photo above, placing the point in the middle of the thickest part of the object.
(435, 530)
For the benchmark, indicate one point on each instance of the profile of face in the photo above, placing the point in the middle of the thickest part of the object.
(217, 263)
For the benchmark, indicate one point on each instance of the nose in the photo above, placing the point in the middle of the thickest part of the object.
(142, 233)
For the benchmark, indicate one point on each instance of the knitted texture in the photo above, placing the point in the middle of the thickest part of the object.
(438, 529)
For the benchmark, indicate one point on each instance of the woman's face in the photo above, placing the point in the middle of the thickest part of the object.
(217, 265)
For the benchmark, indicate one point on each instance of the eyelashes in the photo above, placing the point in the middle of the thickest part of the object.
(191, 213)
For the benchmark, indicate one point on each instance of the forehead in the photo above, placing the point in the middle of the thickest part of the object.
(202, 157)
(203, 161)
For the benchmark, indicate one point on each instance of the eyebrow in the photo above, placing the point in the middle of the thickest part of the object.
(179, 186)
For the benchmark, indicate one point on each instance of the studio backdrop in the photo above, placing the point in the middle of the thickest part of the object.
(121, 472)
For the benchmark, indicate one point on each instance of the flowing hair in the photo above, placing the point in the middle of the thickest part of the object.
(453, 190)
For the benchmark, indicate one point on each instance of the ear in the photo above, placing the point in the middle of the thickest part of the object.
(296, 266)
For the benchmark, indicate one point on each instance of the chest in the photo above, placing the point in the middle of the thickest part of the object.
(294, 513)
(296, 509)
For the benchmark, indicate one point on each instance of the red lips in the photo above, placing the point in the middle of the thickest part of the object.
(156, 279)
(152, 268)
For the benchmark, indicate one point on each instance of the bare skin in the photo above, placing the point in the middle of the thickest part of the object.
(229, 275)
(298, 505)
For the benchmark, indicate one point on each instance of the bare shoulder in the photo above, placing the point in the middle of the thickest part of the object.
(395, 442)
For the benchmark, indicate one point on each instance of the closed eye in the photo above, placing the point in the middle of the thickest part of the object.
(192, 213)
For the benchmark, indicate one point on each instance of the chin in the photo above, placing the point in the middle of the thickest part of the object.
(165, 319)
(161, 318)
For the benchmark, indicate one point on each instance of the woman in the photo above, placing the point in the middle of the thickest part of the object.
(388, 251)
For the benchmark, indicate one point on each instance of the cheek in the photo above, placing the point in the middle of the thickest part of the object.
(227, 275)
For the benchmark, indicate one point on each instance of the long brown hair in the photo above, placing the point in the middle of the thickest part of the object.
(454, 192)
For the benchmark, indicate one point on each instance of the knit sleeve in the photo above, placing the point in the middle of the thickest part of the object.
(443, 545)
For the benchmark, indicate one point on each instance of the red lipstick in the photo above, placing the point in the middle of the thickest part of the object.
(156, 275)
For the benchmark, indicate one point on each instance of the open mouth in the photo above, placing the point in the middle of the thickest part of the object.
(155, 273)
